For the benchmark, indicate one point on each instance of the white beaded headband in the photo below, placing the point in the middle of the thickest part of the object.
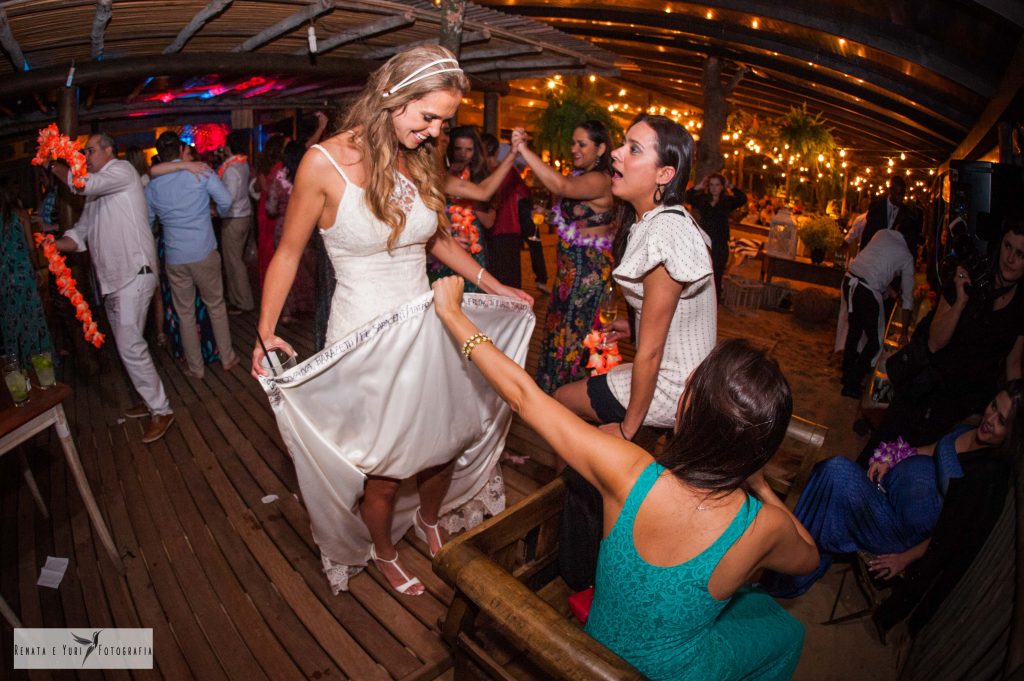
(419, 75)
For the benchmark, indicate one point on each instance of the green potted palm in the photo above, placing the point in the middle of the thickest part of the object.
(567, 106)
(820, 234)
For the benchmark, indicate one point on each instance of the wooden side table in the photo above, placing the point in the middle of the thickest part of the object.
(43, 409)
(800, 269)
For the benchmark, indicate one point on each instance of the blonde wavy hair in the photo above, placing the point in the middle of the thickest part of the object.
(369, 120)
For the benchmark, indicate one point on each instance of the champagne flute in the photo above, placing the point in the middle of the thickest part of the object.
(607, 308)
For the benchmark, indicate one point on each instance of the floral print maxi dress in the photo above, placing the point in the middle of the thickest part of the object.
(584, 270)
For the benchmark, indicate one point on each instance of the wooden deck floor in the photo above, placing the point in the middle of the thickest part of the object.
(230, 584)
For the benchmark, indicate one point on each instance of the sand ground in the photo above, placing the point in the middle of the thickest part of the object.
(848, 651)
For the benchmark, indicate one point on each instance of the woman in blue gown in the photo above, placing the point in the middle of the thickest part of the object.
(891, 512)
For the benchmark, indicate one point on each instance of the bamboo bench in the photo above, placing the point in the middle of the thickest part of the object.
(509, 619)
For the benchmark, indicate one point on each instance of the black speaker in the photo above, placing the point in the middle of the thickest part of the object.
(982, 194)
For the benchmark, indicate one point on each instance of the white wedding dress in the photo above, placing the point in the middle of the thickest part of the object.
(391, 394)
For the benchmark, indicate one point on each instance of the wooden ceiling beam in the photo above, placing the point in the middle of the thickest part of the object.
(468, 38)
(212, 9)
(286, 25)
(99, 28)
(1010, 87)
(540, 63)
(901, 41)
(187, 64)
(1011, 10)
(500, 52)
(632, 25)
(886, 93)
(10, 43)
(374, 28)
(508, 74)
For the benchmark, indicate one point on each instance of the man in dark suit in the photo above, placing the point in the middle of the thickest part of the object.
(888, 211)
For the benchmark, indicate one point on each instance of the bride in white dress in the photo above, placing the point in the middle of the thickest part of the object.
(376, 193)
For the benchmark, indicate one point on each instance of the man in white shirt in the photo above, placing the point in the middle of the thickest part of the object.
(890, 253)
(237, 223)
(114, 228)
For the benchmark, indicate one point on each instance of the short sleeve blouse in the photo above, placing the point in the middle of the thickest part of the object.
(669, 236)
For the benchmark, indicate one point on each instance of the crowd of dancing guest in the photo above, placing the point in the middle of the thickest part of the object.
(397, 199)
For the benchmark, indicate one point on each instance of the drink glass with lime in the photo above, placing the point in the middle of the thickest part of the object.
(43, 364)
(14, 377)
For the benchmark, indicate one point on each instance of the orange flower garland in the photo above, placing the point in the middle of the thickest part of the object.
(54, 146)
(69, 288)
(602, 357)
(463, 219)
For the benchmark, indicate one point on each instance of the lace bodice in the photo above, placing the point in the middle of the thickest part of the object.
(371, 279)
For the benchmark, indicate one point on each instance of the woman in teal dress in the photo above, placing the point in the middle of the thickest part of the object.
(585, 224)
(684, 534)
(23, 330)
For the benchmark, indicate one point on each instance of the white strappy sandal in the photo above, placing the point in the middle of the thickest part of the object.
(420, 526)
(404, 587)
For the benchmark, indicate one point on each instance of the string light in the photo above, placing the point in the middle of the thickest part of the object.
(903, 156)
(755, 24)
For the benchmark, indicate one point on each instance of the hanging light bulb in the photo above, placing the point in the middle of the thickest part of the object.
(311, 38)
(903, 156)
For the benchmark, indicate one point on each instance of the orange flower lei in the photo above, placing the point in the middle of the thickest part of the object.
(237, 158)
(54, 146)
(69, 288)
(602, 358)
(463, 219)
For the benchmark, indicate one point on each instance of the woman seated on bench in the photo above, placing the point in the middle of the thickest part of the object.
(680, 540)
(892, 510)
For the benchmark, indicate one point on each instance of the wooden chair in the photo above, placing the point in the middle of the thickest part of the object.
(509, 620)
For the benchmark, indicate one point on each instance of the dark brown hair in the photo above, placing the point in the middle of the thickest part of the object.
(736, 408)
(675, 149)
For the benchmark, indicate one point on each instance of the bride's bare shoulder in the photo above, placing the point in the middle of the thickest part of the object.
(344, 150)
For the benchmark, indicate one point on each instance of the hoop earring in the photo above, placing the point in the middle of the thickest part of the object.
(659, 193)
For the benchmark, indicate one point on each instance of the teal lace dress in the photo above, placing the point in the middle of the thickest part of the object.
(663, 621)
(584, 270)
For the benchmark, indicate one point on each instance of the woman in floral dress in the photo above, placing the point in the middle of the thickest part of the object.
(584, 220)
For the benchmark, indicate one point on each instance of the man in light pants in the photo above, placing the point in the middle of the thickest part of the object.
(182, 202)
(114, 227)
(237, 223)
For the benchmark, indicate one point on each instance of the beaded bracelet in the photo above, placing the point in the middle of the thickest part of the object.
(480, 276)
(892, 453)
(470, 345)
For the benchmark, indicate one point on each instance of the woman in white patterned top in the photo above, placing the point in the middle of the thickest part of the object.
(665, 271)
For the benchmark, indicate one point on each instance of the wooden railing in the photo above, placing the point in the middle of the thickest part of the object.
(502, 570)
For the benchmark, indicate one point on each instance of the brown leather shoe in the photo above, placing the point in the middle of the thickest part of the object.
(158, 426)
(137, 412)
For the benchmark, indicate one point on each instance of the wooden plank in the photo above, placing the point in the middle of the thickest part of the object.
(336, 641)
(57, 488)
(289, 630)
(168, 658)
(200, 656)
(201, 595)
(257, 637)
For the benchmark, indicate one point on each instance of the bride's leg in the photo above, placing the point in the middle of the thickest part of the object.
(433, 485)
(377, 509)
